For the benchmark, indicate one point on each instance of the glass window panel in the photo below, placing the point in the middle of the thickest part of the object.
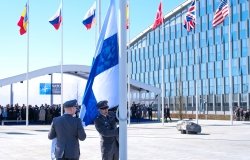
(219, 54)
(235, 67)
(203, 8)
(183, 44)
(227, 87)
(225, 68)
(236, 49)
(218, 69)
(235, 13)
(191, 57)
(211, 70)
(177, 45)
(204, 25)
(203, 71)
(190, 73)
(245, 10)
(211, 54)
(217, 35)
(244, 47)
(235, 31)
(184, 58)
(204, 55)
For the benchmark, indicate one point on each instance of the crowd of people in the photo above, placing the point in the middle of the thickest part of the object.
(241, 114)
(37, 115)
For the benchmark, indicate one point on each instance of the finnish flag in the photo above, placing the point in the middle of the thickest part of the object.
(104, 75)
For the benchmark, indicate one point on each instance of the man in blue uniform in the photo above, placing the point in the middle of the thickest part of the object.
(106, 125)
(68, 130)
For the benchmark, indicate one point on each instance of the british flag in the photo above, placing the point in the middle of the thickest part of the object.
(221, 13)
(189, 21)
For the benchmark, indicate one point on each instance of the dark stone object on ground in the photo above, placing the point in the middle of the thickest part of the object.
(187, 127)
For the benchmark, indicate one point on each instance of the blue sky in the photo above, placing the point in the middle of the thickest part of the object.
(45, 41)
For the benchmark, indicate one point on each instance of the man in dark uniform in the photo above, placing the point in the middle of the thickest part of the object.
(106, 125)
(67, 129)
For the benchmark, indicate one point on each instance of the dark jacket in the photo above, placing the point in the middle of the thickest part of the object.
(107, 128)
(67, 129)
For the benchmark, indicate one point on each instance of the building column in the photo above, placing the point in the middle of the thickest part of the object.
(11, 95)
(239, 99)
(222, 103)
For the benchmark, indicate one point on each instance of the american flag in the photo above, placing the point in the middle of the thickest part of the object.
(221, 13)
(159, 17)
(189, 21)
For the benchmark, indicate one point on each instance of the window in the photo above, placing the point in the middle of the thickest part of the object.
(203, 8)
(205, 86)
(244, 47)
(217, 35)
(171, 42)
(219, 85)
(244, 10)
(235, 67)
(183, 44)
(177, 45)
(183, 74)
(227, 87)
(204, 25)
(243, 30)
(191, 57)
(203, 39)
(211, 70)
(235, 31)
(191, 88)
(243, 66)
(211, 54)
(190, 73)
(225, 68)
(236, 49)
(236, 85)
(235, 12)
(184, 58)
(212, 86)
(204, 55)
(219, 55)
(218, 69)
(203, 71)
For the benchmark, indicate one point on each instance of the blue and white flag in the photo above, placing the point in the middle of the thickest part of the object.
(104, 75)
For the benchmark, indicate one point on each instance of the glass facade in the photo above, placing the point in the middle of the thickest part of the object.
(200, 56)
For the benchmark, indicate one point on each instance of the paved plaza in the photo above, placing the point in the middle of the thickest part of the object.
(147, 141)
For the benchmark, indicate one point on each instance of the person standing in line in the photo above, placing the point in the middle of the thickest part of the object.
(105, 124)
(168, 114)
(68, 130)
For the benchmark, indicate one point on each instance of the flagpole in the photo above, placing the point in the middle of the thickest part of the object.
(162, 77)
(229, 64)
(27, 74)
(128, 67)
(62, 61)
(198, 73)
(122, 81)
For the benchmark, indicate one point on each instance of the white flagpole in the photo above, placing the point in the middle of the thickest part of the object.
(198, 73)
(229, 65)
(162, 77)
(27, 74)
(128, 64)
(62, 61)
(122, 82)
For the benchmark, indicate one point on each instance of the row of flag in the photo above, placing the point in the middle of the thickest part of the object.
(88, 20)
(189, 21)
(56, 19)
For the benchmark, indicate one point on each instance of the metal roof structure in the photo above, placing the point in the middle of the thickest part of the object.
(81, 71)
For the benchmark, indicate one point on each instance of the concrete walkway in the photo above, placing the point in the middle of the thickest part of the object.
(149, 141)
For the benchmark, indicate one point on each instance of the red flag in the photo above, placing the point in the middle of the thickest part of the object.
(159, 17)
(23, 21)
